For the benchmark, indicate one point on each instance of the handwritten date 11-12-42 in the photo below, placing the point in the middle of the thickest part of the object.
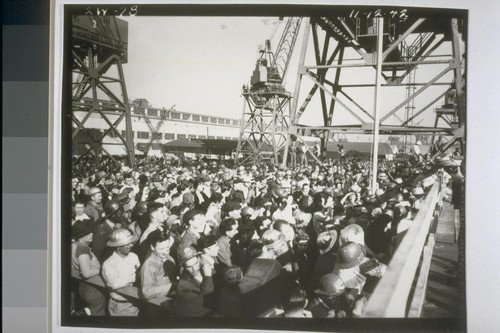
(400, 15)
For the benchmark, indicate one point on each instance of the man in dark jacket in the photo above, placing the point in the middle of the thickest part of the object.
(330, 299)
(111, 221)
(194, 284)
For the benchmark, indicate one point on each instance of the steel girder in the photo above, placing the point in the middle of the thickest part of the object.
(264, 129)
(94, 82)
(424, 48)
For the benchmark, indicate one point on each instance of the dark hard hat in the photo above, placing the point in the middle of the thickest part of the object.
(328, 191)
(141, 207)
(330, 285)
(247, 211)
(391, 186)
(123, 197)
(277, 192)
(143, 178)
(111, 207)
(350, 255)
(400, 211)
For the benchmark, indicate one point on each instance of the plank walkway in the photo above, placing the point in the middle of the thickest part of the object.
(445, 298)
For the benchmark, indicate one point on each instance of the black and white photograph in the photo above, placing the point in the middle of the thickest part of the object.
(240, 166)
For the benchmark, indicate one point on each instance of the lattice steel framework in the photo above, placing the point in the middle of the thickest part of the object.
(265, 116)
(406, 45)
(99, 48)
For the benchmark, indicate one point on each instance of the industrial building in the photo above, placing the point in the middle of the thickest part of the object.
(152, 127)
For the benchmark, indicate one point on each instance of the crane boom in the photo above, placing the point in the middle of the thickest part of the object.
(286, 45)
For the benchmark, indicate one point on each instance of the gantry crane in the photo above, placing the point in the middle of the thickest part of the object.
(99, 48)
(264, 126)
(406, 42)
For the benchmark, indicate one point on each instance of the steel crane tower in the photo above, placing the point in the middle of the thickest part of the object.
(141, 105)
(265, 118)
(437, 46)
(99, 48)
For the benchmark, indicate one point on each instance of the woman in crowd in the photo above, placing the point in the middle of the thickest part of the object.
(155, 281)
(85, 265)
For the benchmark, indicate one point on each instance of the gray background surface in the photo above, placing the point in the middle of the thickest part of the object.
(25, 113)
(25, 73)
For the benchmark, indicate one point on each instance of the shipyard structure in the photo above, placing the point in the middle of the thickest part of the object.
(153, 129)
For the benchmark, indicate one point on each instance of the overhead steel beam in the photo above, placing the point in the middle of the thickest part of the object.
(392, 63)
(424, 108)
(384, 129)
(322, 87)
(418, 92)
(401, 38)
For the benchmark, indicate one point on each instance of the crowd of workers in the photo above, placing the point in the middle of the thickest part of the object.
(241, 241)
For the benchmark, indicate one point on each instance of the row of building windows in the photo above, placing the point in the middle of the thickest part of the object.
(171, 136)
(186, 116)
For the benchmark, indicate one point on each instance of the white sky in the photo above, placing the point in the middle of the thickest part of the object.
(198, 64)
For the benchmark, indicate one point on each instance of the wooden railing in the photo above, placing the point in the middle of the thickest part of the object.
(392, 293)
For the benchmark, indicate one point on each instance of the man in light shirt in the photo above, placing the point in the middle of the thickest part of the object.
(119, 271)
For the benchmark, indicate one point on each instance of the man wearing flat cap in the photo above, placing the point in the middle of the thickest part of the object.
(119, 271)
